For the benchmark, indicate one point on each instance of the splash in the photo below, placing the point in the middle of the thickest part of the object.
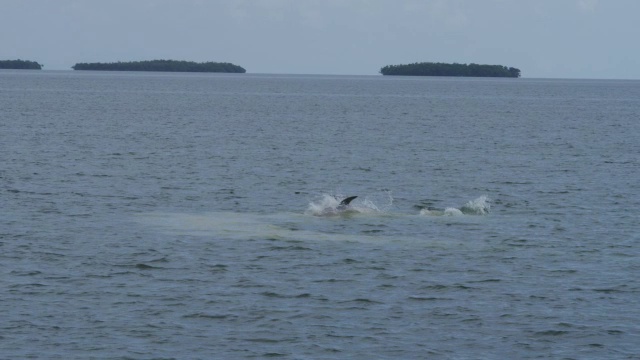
(479, 206)
(329, 205)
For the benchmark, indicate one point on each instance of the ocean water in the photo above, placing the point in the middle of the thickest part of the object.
(195, 216)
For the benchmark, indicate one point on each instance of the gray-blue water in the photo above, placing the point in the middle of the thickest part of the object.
(161, 216)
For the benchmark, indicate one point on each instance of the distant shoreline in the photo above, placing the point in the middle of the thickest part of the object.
(162, 65)
(455, 69)
(20, 65)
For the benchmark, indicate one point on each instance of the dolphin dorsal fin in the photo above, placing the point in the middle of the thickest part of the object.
(347, 200)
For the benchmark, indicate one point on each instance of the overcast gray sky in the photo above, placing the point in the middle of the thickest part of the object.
(543, 38)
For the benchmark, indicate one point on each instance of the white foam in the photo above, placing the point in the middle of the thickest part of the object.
(450, 211)
(478, 206)
(327, 205)
(323, 206)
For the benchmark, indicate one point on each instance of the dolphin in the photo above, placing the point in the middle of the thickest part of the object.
(331, 205)
(324, 209)
(344, 204)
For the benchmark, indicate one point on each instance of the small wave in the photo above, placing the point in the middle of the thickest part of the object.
(200, 315)
(146, 267)
(551, 332)
(429, 298)
(360, 301)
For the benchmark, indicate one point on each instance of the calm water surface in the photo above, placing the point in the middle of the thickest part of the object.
(160, 216)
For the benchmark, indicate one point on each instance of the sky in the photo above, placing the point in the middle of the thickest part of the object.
(593, 39)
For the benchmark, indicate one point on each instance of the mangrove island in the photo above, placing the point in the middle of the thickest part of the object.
(455, 69)
(20, 64)
(162, 65)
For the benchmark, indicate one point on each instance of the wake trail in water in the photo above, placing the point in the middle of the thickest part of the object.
(359, 214)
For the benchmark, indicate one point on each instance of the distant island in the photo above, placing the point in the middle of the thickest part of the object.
(20, 64)
(444, 69)
(162, 65)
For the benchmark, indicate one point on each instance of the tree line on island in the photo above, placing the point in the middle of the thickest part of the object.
(162, 65)
(455, 69)
(20, 64)
(415, 69)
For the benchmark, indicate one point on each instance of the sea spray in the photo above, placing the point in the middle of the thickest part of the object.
(328, 205)
(478, 206)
